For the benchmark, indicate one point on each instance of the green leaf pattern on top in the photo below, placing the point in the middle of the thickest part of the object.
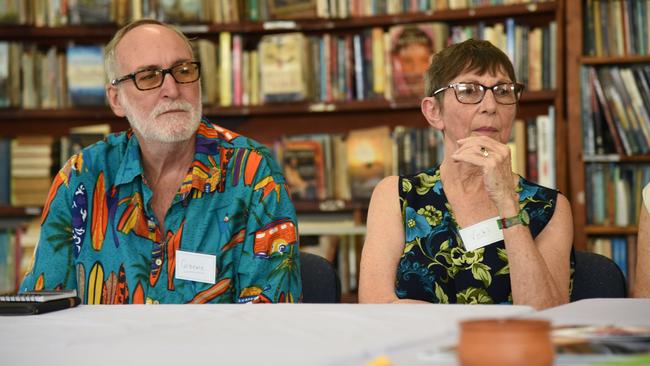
(435, 266)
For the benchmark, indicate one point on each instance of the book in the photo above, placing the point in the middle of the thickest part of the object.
(283, 67)
(9, 11)
(35, 307)
(225, 69)
(7, 261)
(181, 11)
(618, 137)
(517, 145)
(85, 70)
(89, 11)
(4, 74)
(79, 138)
(369, 159)
(292, 9)
(39, 296)
(304, 169)
(411, 49)
(601, 339)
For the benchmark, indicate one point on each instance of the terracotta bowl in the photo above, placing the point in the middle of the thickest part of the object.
(505, 342)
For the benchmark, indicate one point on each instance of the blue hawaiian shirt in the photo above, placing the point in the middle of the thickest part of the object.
(99, 234)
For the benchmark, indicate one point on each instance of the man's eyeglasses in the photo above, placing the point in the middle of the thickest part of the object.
(183, 73)
(473, 93)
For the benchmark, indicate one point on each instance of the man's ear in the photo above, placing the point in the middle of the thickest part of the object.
(432, 111)
(114, 101)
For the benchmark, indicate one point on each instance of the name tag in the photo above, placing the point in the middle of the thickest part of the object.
(196, 267)
(481, 234)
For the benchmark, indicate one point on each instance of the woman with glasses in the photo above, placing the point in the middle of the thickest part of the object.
(469, 230)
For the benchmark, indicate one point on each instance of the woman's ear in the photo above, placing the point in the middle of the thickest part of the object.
(114, 100)
(432, 111)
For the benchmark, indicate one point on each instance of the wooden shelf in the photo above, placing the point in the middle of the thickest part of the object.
(93, 33)
(591, 60)
(333, 205)
(13, 212)
(611, 230)
(615, 158)
(103, 113)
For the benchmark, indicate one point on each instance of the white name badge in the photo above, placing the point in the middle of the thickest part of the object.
(196, 267)
(481, 234)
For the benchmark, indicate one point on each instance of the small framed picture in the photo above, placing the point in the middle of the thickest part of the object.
(292, 9)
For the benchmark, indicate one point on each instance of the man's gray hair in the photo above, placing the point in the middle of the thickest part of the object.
(110, 55)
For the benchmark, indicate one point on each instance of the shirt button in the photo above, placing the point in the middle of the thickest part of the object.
(158, 262)
(151, 224)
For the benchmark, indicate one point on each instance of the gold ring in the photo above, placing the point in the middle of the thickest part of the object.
(484, 152)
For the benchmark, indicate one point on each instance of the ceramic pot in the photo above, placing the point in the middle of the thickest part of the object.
(505, 342)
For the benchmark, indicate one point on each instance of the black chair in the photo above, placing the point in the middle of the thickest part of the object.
(596, 276)
(320, 282)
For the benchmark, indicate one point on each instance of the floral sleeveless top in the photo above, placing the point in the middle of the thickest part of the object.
(435, 267)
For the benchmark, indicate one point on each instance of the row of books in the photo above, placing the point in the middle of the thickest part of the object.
(27, 163)
(31, 77)
(616, 27)
(27, 170)
(56, 13)
(17, 244)
(270, 10)
(8, 255)
(616, 109)
(372, 63)
(613, 192)
(317, 166)
(533, 50)
(332, 166)
(620, 249)
(53, 13)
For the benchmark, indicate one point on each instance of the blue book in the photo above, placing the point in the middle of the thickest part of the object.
(85, 71)
(5, 164)
(619, 253)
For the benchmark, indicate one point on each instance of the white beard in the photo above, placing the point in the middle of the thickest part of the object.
(159, 127)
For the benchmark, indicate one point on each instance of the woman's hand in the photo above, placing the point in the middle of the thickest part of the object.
(494, 160)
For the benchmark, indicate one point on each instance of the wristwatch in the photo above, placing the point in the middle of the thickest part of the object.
(521, 218)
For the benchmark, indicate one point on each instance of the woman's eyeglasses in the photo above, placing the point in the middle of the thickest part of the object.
(473, 93)
(183, 73)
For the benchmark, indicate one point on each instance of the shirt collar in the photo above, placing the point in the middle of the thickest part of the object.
(131, 165)
(204, 174)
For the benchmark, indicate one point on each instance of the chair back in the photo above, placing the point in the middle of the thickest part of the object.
(596, 276)
(320, 282)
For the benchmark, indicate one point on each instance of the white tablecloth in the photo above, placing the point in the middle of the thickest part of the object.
(305, 334)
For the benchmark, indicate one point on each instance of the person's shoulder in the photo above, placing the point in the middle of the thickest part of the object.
(424, 179)
(210, 134)
(112, 141)
(214, 133)
(387, 185)
(530, 188)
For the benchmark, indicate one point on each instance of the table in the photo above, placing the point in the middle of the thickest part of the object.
(600, 312)
(286, 334)
(624, 312)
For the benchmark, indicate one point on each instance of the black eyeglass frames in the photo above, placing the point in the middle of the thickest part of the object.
(147, 79)
(473, 93)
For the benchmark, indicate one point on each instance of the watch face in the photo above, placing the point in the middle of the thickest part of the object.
(525, 219)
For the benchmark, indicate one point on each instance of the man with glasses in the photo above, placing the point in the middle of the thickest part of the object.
(175, 210)
(469, 230)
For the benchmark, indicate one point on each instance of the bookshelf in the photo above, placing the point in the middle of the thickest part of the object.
(269, 122)
(584, 165)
